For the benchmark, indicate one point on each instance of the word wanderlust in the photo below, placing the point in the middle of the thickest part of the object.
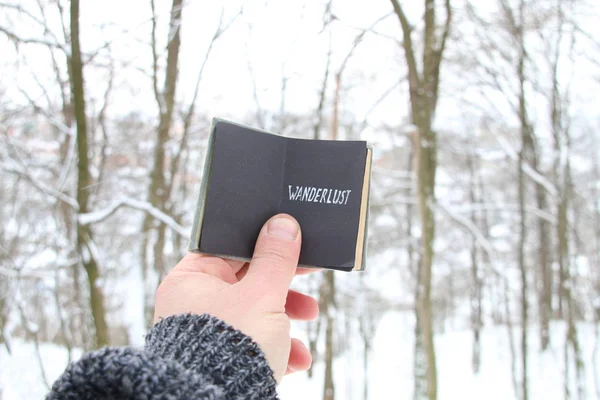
(318, 195)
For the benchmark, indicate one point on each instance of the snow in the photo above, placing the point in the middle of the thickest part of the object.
(102, 214)
(392, 357)
(390, 371)
(20, 374)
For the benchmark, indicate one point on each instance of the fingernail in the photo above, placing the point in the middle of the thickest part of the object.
(283, 228)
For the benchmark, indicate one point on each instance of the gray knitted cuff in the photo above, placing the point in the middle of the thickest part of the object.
(125, 373)
(209, 346)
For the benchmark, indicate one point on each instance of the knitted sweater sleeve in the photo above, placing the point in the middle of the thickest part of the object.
(185, 357)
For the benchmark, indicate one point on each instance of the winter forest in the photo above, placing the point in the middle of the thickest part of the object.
(483, 272)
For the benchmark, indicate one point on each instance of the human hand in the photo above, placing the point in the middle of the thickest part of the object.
(252, 297)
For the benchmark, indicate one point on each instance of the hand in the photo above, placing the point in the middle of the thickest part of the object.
(252, 297)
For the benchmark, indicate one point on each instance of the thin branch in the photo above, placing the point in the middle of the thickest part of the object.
(40, 22)
(64, 92)
(61, 14)
(545, 215)
(20, 171)
(22, 10)
(55, 122)
(157, 94)
(34, 333)
(101, 215)
(259, 110)
(480, 238)
(322, 94)
(447, 26)
(371, 29)
(527, 169)
(102, 122)
(21, 40)
(357, 40)
(380, 100)
(407, 43)
(187, 119)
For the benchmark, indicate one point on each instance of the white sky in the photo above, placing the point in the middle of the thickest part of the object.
(276, 37)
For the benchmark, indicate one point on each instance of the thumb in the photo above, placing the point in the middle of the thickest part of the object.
(275, 258)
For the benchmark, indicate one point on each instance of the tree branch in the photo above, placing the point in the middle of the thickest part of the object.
(20, 171)
(40, 22)
(187, 119)
(447, 26)
(20, 40)
(409, 53)
(157, 94)
(100, 215)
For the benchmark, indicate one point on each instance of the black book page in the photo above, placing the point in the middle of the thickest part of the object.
(329, 214)
(254, 175)
(242, 191)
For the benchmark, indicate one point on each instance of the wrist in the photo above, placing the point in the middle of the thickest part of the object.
(210, 346)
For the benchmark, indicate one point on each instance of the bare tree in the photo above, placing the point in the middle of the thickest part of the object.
(476, 270)
(61, 120)
(596, 284)
(158, 187)
(517, 27)
(423, 90)
(561, 132)
(370, 307)
(326, 305)
(85, 242)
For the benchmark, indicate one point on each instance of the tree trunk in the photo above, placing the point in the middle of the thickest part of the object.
(3, 311)
(85, 243)
(571, 339)
(562, 144)
(366, 350)
(511, 341)
(77, 323)
(596, 257)
(545, 293)
(159, 188)
(329, 299)
(423, 91)
(476, 293)
(523, 275)
(425, 158)
(313, 333)
(526, 149)
(562, 173)
(419, 357)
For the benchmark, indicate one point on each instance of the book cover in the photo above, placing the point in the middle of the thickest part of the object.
(251, 175)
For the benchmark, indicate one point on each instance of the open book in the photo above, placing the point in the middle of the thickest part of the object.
(251, 175)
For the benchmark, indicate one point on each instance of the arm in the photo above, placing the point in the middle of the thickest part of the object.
(196, 349)
(185, 357)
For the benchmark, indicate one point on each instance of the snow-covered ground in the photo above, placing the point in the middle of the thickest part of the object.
(390, 370)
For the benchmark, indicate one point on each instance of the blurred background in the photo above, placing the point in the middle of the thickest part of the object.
(483, 276)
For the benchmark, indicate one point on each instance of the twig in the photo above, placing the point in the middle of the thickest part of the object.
(20, 171)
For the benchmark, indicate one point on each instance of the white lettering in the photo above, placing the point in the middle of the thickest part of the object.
(318, 195)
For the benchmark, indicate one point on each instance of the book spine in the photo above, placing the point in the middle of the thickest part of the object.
(368, 165)
(194, 244)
